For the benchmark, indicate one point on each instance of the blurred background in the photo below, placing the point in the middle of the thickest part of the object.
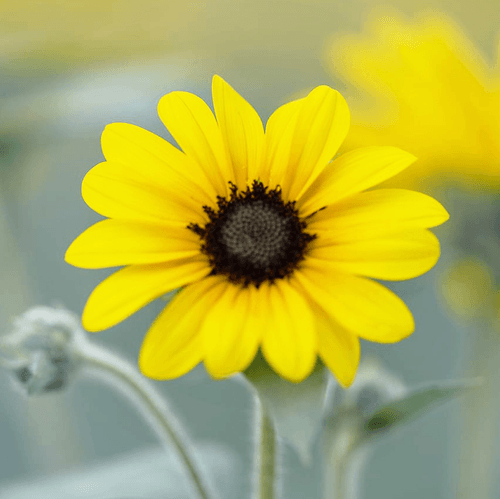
(68, 68)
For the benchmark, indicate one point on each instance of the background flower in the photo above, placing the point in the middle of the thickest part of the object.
(422, 85)
(433, 92)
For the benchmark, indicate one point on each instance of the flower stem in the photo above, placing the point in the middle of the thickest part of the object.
(479, 432)
(266, 456)
(342, 464)
(121, 375)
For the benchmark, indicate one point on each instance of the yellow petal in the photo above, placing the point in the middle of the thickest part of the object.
(112, 243)
(321, 127)
(363, 307)
(303, 137)
(279, 134)
(339, 349)
(193, 126)
(116, 191)
(241, 129)
(395, 257)
(157, 162)
(230, 333)
(376, 213)
(353, 172)
(289, 342)
(131, 288)
(173, 345)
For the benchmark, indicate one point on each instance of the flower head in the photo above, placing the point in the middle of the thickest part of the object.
(273, 244)
(426, 88)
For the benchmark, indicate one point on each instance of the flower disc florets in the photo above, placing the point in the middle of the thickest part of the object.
(253, 236)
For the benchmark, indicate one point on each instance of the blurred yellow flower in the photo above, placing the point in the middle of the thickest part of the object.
(275, 244)
(468, 290)
(431, 93)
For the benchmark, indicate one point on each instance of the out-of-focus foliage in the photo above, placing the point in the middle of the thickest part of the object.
(44, 36)
(415, 404)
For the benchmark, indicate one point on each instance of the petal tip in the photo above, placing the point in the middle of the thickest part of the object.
(145, 366)
(217, 371)
(71, 256)
(92, 320)
(89, 325)
(346, 382)
(292, 375)
(217, 79)
(67, 255)
(445, 213)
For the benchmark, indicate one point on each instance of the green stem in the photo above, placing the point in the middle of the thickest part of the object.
(479, 432)
(120, 374)
(266, 460)
(340, 442)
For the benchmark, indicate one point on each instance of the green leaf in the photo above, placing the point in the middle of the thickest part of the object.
(296, 408)
(402, 411)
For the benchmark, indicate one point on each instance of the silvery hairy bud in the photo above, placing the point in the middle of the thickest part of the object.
(41, 351)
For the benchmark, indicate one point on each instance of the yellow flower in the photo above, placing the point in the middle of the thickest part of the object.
(468, 290)
(273, 244)
(431, 93)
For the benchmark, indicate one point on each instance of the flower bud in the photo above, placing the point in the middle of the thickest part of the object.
(42, 350)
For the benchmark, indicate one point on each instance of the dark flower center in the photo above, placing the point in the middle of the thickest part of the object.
(253, 236)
